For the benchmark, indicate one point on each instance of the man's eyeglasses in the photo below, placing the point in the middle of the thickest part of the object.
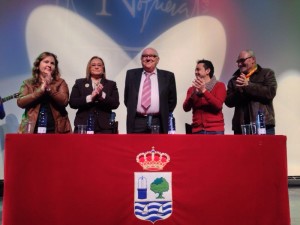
(242, 60)
(150, 56)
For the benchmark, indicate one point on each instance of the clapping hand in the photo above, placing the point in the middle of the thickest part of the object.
(199, 84)
(242, 81)
(97, 90)
(46, 79)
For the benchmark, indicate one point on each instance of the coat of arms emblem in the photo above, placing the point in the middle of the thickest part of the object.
(153, 189)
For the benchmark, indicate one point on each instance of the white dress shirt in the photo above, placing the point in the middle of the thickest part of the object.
(154, 106)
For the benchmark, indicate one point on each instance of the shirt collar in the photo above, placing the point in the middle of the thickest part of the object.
(154, 72)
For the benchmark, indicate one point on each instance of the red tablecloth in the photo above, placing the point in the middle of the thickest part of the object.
(89, 179)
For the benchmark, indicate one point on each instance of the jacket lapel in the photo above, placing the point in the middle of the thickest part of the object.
(160, 80)
(88, 87)
(137, 79)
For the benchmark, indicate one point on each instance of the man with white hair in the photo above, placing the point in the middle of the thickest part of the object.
(150, 95)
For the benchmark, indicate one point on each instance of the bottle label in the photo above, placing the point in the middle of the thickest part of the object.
(171, 125)
(171, 132)
(261, 131)
(90, 132)
(42, 130)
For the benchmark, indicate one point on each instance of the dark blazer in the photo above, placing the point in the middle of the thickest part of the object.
(167, 96)
(101, 108)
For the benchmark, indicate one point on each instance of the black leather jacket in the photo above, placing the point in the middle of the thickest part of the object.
(258, 95)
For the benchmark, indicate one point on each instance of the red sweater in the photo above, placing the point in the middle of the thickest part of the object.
(207, 108)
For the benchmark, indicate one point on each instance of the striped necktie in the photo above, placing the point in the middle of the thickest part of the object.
(146, 94)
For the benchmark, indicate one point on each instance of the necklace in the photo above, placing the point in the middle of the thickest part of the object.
(96, 83)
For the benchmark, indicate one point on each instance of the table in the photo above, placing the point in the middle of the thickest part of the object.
(72, 179)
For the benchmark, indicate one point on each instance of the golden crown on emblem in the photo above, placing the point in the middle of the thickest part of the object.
(153, 160)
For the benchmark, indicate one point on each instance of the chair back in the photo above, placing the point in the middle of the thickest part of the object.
(115, 128)
(188, 128)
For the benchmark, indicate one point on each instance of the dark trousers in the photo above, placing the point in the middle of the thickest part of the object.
(142, 125)
(209, 132)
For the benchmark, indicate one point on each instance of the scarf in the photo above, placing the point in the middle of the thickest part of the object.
(210, 84)
(251, 72)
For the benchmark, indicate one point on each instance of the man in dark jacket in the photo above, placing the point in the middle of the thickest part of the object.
(161, 98)
(251, 89)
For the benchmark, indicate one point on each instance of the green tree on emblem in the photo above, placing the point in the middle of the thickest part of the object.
(159, 185)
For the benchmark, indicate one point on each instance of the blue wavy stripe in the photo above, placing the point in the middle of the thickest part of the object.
(152, 204)
(152, 210)
(165, 213)
(153, 218)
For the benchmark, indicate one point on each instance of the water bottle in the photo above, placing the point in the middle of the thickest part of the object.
(113, 124)
(90, 124)
(171, 124)
(42, 121)
(260, 123)
(112, 119)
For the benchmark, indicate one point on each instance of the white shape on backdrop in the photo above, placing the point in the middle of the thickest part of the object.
(287, 110)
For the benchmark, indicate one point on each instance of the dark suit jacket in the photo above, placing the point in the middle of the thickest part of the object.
(101, 108)
(167, 96)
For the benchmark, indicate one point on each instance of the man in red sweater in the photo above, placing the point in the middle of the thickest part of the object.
(206, 97)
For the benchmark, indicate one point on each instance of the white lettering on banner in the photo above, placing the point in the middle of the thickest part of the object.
(148, 6)
(103, 9)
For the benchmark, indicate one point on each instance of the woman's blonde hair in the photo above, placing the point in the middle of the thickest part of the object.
(88, 71)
